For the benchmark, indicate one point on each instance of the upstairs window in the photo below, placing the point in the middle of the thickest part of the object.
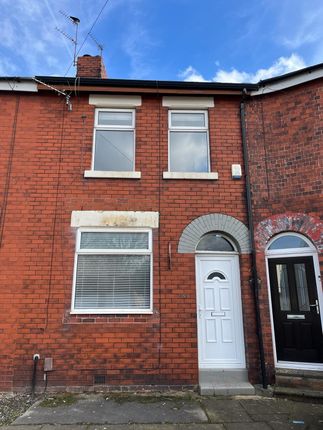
(188, 141)
(114, 140)
(113, 272)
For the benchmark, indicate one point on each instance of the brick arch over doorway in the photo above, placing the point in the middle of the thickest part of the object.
(292, 222)
(214, 222)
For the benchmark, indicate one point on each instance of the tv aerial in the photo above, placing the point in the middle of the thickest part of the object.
(99, 45)
(75, 21)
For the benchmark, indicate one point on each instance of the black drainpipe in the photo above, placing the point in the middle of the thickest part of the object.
(255, 280)
(34, 374)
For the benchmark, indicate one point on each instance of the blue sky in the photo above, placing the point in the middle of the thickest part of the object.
(212, 40)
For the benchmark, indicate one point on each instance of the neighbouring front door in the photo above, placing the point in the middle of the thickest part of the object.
(220, 327)
(296, 312)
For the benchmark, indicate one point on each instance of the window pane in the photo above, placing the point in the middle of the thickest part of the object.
(214, 242)
(283, 287)
(301, 287)
(188, 152)
(112, 282)
(114, 150)
(289, 241)
(115, 118)
(114, 240)
(187, 119)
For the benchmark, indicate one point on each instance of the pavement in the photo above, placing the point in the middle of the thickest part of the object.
(181, 411)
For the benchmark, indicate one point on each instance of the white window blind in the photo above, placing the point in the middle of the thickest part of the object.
(113, 272)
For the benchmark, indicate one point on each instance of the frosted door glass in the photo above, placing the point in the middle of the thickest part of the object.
(301, 287)
(283, 287)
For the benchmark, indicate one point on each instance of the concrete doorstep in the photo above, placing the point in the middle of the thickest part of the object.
(161, 412)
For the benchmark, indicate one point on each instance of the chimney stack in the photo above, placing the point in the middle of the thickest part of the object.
(89, 66)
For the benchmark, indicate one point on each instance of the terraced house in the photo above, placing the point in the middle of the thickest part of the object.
(161, 233)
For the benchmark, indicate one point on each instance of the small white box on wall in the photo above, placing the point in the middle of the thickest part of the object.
(236, 171)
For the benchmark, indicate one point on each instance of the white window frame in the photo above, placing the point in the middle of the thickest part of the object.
(189, 129)
(80, 251)
(289, 252)
(131, 127)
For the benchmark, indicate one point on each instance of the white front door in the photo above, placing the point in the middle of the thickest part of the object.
(220, 327)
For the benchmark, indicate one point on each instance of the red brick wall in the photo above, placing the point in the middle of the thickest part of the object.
(90, 66)
(52, 148)
(285, 136)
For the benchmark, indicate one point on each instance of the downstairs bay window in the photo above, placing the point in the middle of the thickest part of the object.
(113, 272)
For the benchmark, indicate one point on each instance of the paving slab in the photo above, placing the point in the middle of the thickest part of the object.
(276, 425)
(60, 427)
(18, 427)
(247, 426)
(265, 406)
(225, 411)
(159, 427)
(96, 409)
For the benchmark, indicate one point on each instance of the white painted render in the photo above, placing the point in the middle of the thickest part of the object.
(108, 174)
(22, 85)
(188, 102)
(191, 175)
(125, 219)
(112, 101)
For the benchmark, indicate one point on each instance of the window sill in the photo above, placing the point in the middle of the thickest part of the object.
(111, 174)
(111, 312)
(191, 175)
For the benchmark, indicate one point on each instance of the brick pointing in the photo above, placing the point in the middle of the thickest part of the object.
(214, 222)
(300, 223)
(285, 141)
(91, 67)
(52, 149)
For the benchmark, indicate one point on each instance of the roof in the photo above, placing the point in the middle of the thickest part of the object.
(306, 70)
(172, 87)
(146, 84)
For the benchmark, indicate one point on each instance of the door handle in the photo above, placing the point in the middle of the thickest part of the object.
(316, 305)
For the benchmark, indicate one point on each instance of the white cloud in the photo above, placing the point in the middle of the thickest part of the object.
(137, 41)
(192, 75)
(308, 29)
(136, 45)
(29, 38)
(279, 67)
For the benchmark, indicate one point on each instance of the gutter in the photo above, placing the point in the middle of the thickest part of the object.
(145, 84)
(254, 279)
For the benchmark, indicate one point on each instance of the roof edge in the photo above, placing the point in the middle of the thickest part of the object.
(289, 80)
(148, 84)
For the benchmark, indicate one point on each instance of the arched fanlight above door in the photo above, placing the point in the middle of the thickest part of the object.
(289, 243)
(214, 242)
